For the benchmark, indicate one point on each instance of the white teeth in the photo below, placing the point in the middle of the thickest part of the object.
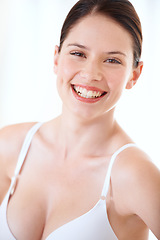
(83, 92)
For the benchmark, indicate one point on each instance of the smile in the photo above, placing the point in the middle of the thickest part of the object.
(88, 93)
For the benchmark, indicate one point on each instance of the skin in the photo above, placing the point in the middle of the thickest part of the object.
(70, 152)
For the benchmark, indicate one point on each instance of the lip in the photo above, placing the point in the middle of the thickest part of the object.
(91, 88)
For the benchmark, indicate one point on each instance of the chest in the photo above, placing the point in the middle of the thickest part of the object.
(45, 200)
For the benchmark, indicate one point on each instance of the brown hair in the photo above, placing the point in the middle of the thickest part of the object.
(122, 11)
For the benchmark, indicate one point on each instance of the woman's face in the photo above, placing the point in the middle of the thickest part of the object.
(94, 66)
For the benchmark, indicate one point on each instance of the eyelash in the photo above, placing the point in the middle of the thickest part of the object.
(78, 54)
(113, 61)
(110, 60)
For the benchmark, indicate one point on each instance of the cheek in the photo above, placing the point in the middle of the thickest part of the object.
(65, 74)
(66, 70)
(117, 79)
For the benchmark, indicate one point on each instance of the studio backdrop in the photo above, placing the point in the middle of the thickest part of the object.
(29, 31)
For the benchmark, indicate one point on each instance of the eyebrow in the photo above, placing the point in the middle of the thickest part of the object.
(116, 52)
(77, 45)
(84, 47)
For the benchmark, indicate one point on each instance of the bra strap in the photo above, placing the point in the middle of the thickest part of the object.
(108, 175)
(25, 147)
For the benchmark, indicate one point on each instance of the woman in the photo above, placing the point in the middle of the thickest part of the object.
(80, 176)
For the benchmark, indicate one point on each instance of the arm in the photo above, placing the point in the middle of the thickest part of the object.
(147, 202)
(4, 179)
(147, 198)
(4, 162)
(11, 140)
(140, 188)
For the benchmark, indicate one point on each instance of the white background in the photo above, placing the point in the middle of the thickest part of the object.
(29, 30)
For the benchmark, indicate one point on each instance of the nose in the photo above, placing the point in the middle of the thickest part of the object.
(91, 71)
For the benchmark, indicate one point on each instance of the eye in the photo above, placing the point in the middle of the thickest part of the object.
(78, 54)
(113, 60)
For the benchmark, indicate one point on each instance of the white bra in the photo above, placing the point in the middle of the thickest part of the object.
(93, 225)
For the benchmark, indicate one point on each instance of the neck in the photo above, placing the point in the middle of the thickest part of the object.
(89, 136)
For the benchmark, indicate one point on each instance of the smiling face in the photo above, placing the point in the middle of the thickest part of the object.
(94, 65)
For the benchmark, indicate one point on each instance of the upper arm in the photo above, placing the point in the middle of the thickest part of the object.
(4, 161)
(11, 140)
(4, 179)
(140, 188)
(147, 197)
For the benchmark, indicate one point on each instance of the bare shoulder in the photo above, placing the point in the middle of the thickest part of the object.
(136, 183)
(135, 161)
(11, 140)
(133, 167)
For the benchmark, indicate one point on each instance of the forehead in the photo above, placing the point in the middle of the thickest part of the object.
(100, 30)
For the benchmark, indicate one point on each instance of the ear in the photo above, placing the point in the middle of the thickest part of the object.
(135, 75)
(56, 57)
